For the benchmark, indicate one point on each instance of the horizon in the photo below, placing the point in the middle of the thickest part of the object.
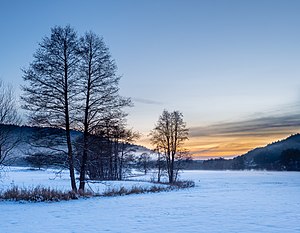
(232, 68)
(194, 157)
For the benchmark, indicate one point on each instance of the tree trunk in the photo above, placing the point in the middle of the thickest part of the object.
(69, 143)
(116, 151)
(121, 163)
(159, 168)
(70, 159)
(67, 119)
(86, 133)
(171, 176)
(83, 161)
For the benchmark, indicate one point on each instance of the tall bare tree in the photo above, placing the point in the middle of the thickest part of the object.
(99, 91)
(8, 119)
(169, 135)
(51, 85)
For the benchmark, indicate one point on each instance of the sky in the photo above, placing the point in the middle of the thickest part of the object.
(231, 67)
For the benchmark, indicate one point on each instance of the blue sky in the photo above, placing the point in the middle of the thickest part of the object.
(216, 61)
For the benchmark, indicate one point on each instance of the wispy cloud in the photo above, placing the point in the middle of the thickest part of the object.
(256, 127)
(238, 137)
(147, 101)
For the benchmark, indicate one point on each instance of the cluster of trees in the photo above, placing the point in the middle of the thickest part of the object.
(109, 156)
(8, 116)
(237, 163)
(288, 159)
(72, 86)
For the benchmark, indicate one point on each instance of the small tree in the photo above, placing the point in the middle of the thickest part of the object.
(118, 141)
(169, 135)
(37, 160)
(183, 156)
(160, 164)
(144, 162)
(124, 150)
(8, 118)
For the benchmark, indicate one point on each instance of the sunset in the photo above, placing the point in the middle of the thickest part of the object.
(236, 138)
(220, 64)
(233, 138)
(149, 116)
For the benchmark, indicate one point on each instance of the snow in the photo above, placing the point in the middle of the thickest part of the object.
(59, 179)
(222, 201)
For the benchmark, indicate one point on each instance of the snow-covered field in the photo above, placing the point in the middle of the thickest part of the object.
(222, 201)
(59, 179)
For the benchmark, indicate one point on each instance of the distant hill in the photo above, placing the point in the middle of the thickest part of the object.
(271, 156)
(50, 141)
(280, 155)
(23, 141)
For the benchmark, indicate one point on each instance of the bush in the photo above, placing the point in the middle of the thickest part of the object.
(42, 194)
(180, 184)
(183, 184)
(38, 194)
(121, 191)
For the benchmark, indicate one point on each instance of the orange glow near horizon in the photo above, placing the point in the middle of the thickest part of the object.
(225, 145)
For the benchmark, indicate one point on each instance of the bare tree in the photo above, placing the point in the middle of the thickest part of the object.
(183, 157)
(51, 88)
(118, 144)
(124, 150)
(110, 155)
(160, 164)
(98, 85)
(144, 162)
(47, 146)
(8, 119)
(168, 135)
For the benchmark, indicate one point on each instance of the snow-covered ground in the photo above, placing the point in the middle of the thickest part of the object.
(222, 201)
(59, 179)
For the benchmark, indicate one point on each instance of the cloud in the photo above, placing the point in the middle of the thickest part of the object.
(147, 101)
(237, 137)
(202, 151)
(256, 127)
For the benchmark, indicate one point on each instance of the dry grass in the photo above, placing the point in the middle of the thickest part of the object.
(183, 184)
(122, 191)
(43, 194)
(38, 194)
